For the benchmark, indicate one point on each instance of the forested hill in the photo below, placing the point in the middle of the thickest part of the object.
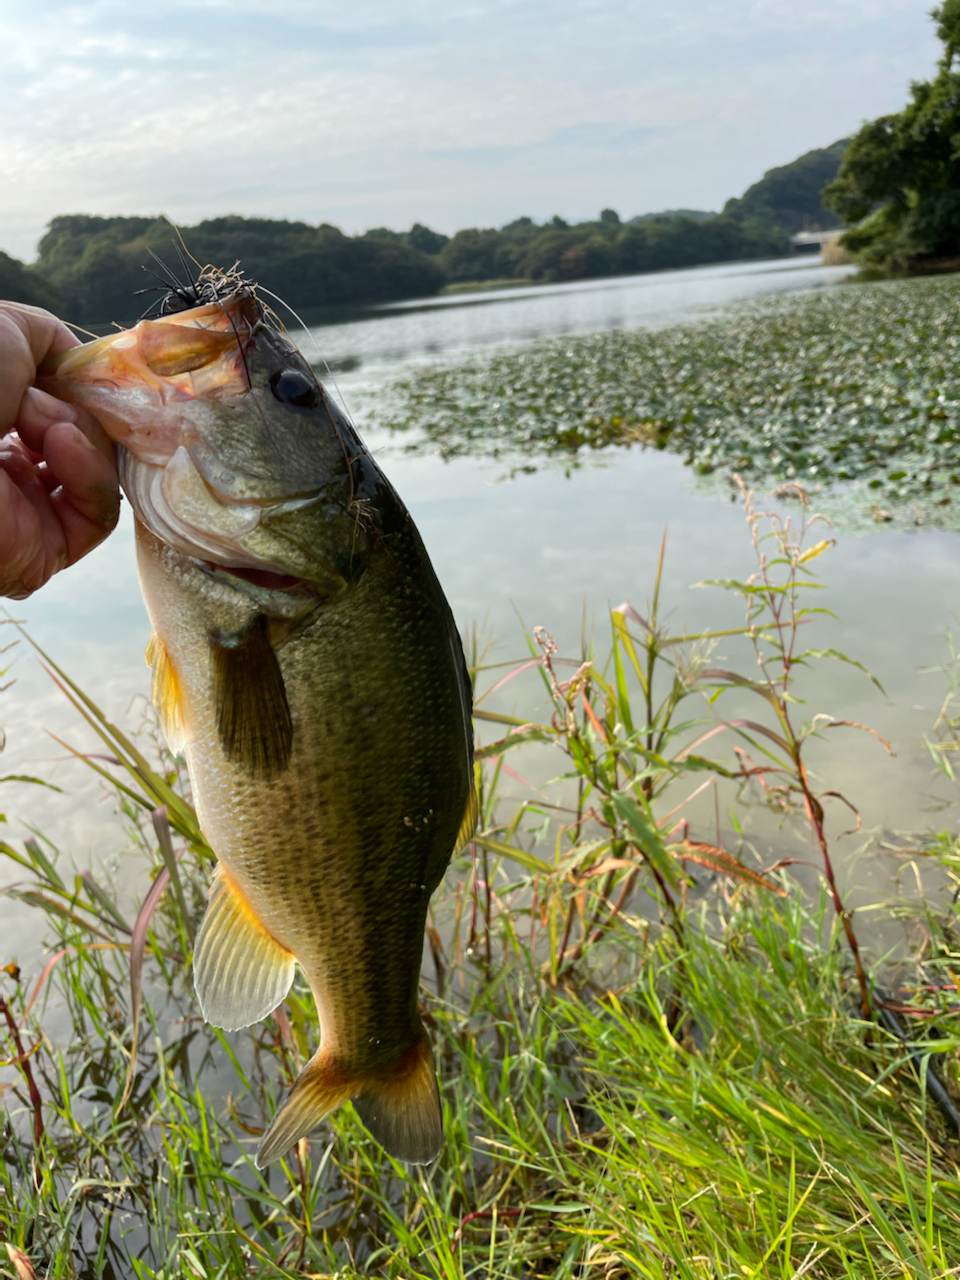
(24, 284)
(790, 196)
(99, 265)
(93, 270)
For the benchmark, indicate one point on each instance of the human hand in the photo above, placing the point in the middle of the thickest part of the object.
(59, 493)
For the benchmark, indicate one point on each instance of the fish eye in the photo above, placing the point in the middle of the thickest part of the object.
(291, 386)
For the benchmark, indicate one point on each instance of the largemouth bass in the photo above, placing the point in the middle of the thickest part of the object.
(306, 661)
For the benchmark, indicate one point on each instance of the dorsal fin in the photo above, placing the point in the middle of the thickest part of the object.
(252, 713)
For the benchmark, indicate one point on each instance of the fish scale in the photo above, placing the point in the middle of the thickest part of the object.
(313, 676)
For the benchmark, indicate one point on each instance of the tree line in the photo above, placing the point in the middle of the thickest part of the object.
(94, 270)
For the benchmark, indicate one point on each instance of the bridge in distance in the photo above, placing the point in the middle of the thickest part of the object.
(813, 241)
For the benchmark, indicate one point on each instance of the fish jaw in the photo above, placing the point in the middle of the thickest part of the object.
(140, 383)
(213, 461)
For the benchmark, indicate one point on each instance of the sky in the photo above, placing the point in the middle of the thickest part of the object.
(370, 114)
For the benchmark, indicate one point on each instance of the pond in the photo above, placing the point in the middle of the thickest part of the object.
(550, 547)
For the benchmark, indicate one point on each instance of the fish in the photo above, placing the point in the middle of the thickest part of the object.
(306, 662)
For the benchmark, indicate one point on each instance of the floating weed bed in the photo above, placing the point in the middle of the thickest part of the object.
(858, 385)
(705, 1094)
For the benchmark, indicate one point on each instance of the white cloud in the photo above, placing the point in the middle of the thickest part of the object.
(377, 114)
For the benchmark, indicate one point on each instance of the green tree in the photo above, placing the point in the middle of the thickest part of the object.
(19, 283)
(425, 240)
(100, 264)
(556, 254)
(900, 177)
(474, 254)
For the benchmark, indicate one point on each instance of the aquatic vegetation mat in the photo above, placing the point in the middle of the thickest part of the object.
(856, 387)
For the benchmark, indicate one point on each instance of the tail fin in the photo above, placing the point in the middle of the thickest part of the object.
(400, 1106)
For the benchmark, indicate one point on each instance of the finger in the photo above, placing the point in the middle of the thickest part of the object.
(46, 335)
(87, 501)
(46, 549)
(39, 411)
(88, 507)
(27, 336)
(46, 477)
(22, 556)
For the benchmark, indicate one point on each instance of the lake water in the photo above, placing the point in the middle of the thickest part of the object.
(542, 546)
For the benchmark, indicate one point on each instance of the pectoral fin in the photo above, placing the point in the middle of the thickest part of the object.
(252, 712)
(165, 693)
(240, 971)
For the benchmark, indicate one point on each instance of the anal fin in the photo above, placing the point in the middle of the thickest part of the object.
(165, 693)
(240, 971)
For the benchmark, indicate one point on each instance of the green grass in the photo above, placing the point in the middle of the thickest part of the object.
(857, 385)
(678, 1082)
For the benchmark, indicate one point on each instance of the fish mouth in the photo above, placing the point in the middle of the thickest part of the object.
(172, 395)
(266, 579)
(183, 511)
(138, 383)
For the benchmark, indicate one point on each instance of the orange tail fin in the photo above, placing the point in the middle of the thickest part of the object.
(400, 1105)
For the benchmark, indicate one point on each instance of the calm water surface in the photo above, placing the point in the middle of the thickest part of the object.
(545, 547)
(423, 331)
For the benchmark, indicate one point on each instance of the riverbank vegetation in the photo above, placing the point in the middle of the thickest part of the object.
(855, 389)
(91, 269)
(900, 178)
(658, 1057)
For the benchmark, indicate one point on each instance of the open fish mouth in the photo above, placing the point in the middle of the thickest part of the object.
(177, 395)
(140, 383)
(263, 578)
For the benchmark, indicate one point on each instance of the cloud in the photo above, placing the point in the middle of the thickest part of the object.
(380, 114)
(585, 139)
